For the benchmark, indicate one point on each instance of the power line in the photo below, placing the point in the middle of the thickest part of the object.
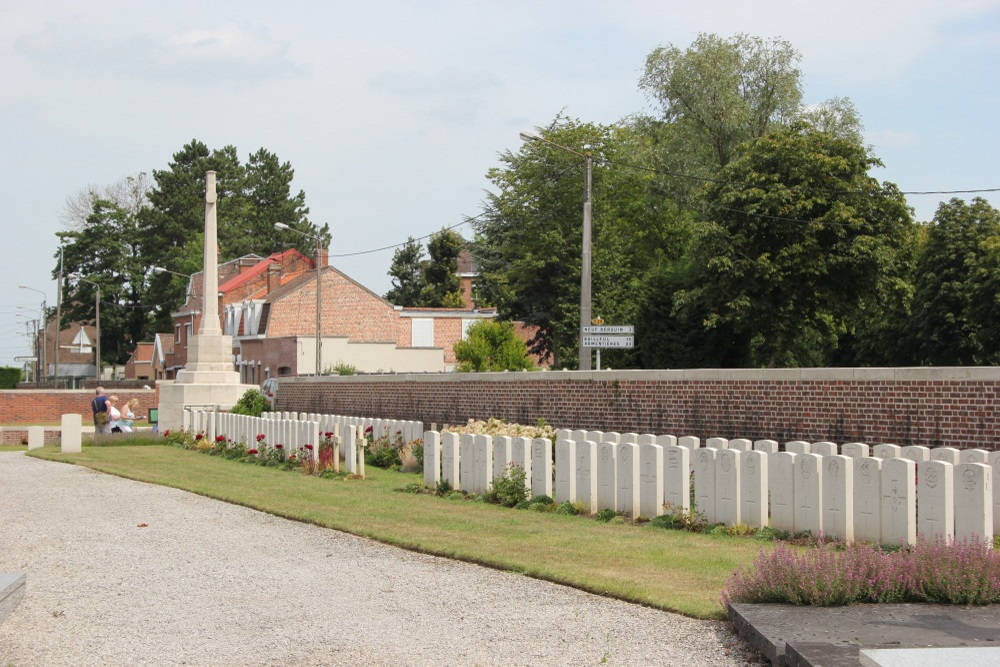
(399, 245)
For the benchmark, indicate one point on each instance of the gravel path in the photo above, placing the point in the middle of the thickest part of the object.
(127, 573)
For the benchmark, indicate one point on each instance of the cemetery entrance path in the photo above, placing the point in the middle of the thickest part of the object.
(122, 572)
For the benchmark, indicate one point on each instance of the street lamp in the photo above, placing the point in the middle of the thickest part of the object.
(40, 361)
(319, 248)
(585, 260)
(97, 319)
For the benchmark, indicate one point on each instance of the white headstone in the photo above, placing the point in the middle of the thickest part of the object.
(823, 448)
(936, 511)
(36, 437)
(607, 476)
(628, 479)
(677, 476)
(650, 480)
(541, 467)
(741, 444)
(666, 440)
(809, 493)
(578, 436)
(689, 441)
(886, 451)
(520, 453)
(915, 453)
(867, 498)
(766, 446)
(501, 456)
(450, 460)
(753, 488)
(797, 447)
(565, 471)
(899, 501)
(974, 502)
(717, 443)
(349, 437)
(646, 439)
(994, 463)
(586, 480)
(704, 482)
(467, 463)
(856, 450)
(781, 483)
(432, 458)
(595, 436)
(632, 438)
(838, 496)
(563, 434)
(72, 434)
(611, 436)
(946, 454)
(973, 456)
(483, 467)
(727, 486)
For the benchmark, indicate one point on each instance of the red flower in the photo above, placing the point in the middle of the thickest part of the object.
(279, 446)
(369, 429)
(292, 457)
(252, 452)
(220, 438)
(328, 434)
(309, 447)
(166, 433)
(199, 437)
(260, 437)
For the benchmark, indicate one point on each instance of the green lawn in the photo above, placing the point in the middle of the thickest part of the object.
(667, 569)
(13, 448)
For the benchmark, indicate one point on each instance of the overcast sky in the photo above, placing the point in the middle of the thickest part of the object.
(391, 112)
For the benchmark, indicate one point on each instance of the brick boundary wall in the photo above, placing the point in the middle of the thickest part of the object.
(934, 407)
(47, 406)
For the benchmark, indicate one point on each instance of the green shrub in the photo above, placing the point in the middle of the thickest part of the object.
(543, 500)
(455, 495)
(443, 488)
(617, 519)
(9, 377)
(568, 509)
(344, 368)
(685, 519)
(770, 534)
(417, 449)
(606, 515)
(251, 403)
(383, 453)
(413, 487)
(509, 490)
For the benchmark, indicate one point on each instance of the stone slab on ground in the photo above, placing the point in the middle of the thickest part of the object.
(771, 628)
(12, 587)
(931, 657)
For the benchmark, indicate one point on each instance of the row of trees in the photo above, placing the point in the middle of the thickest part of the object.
(738, 228)
(117, 234)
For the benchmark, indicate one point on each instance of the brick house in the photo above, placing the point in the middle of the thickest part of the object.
(140, 365)
(268, 306)
(77, 352)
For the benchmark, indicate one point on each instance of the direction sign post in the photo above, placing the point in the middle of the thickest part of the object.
(608, 336)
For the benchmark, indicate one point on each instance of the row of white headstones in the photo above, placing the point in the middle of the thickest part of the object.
(294, 430)
(854, 492)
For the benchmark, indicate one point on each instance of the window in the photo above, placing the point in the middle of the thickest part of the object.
(423, 332)
(177, 333)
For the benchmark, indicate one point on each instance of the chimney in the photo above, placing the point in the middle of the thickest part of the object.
(273, 276)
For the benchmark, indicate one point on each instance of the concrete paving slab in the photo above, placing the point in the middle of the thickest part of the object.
(771, 628)
(12, 587)
(930, 657)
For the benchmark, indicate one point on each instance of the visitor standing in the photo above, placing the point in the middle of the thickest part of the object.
(99, 405)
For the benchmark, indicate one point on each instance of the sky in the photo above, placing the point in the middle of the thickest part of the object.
(391, 112)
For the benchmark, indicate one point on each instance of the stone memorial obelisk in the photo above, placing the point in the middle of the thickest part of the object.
(208, 379)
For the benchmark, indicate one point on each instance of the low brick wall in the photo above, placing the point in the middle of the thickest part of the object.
(934, 407)
(47, 406)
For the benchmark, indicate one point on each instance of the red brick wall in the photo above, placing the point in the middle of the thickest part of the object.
(47, 407)
(932, 407)
(348, 310)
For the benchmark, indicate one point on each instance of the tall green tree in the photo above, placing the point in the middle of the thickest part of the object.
(529, 238)
(956, 303)
(267, 184)
(725, 91)
(105, 251)
(800, 237)
(441, 284)
(407, 271)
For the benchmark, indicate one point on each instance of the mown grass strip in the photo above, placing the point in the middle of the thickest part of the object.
(667, 569)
